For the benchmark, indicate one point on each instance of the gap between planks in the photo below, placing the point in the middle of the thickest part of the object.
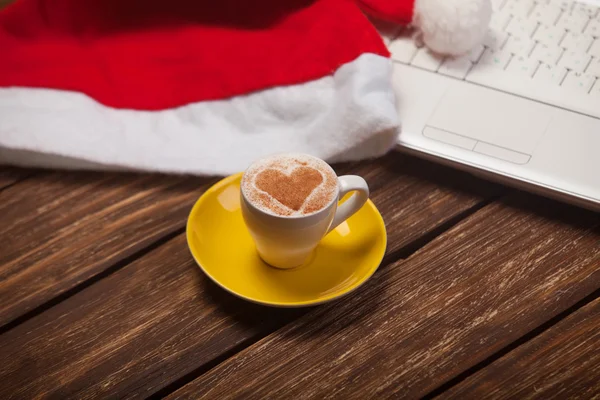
(90, 281)
(402, 253)
(404, 246)
(527, 337)
(515, 341)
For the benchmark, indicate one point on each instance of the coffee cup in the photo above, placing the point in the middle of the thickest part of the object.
(290, 202)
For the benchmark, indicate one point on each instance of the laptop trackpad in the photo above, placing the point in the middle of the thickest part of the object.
(495, 121)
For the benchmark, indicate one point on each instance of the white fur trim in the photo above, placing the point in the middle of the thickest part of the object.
(348, 116)
(452, 27)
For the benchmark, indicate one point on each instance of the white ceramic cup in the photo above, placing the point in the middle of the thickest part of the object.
(288, 242)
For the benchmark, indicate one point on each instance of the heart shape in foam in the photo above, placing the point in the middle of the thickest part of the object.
(290, 190)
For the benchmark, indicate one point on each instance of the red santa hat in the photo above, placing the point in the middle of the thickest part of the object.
(206, 87)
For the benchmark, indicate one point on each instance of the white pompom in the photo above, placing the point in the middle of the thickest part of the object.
(452, 27)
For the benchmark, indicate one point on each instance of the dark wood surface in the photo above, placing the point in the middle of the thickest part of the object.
(129, 334)
(394, 189)
(472, 291)
(61, 229)
(100, 298)
(571, 347)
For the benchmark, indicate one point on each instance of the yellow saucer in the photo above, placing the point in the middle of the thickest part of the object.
(221, 245)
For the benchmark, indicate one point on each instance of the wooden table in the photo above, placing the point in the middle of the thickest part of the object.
(484, 291)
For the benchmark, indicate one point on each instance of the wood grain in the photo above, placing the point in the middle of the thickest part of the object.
(60, 229)
(502, 272)
(130, 333)
(63, 228)
(561, 363)
(157, 319)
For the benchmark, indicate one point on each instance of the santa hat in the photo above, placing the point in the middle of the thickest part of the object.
(204, 87)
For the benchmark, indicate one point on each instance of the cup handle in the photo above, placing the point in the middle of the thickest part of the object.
(350, 183)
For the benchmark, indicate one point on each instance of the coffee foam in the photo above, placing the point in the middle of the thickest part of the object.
(299, 175)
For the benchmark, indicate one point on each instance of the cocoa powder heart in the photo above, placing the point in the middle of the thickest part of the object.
(290, 190)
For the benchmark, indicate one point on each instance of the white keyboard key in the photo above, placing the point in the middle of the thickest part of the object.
(532, 88)
(595, 49)
(577, 41)
(548, 74)
(565, 5)
(522, 27)
(522, 66)
(549, 35)
(519, 45)
(574, 60)
(546, 54)
(403, 49)
(426, 60)
(475, 53)
(574, 22)
(587, 9)
(546, 14)
(578, 82)
(499, 21)
(456, 67)
(496, 59)
(594, 68)
(495, 39)
(519, 8)
(593, 28)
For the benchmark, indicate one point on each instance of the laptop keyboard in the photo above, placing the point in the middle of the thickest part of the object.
(544, 50)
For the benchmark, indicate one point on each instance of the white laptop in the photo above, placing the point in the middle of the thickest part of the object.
(524, 108)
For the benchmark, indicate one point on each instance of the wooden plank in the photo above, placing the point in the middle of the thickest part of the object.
(128, 334)
(478, 287)
(561, 363)
(62, 228)
(158, 319)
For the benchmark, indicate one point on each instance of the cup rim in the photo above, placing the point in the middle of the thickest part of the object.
(335, 199)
